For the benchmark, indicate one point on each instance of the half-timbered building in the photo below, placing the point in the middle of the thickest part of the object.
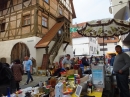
(38, 28)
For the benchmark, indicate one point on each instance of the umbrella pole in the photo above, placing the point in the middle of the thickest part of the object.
(103, 45)
(103, 51)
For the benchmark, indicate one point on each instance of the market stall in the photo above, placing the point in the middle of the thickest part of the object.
(71, 83)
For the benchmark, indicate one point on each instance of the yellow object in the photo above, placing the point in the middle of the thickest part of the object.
(64, 86)
(108, 53)
(96, 94)
(73, 95)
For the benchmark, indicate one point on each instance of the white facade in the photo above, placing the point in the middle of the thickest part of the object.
(85, 46)
(6, 48)
(119, 7)
(110, 48)
(122, 11)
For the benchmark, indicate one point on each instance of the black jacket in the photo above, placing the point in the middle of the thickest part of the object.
(84, 62)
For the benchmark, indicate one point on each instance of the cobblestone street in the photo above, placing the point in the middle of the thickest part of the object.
(35, 82)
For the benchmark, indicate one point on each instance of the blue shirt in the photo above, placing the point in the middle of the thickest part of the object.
(28, 65)
(112, 61)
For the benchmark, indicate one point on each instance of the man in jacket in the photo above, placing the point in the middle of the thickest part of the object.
(121, 68)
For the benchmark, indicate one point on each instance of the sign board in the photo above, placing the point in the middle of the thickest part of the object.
(73, 29)
(98, 76)
(77, 92)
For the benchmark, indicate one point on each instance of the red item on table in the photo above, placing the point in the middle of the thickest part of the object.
(76, 66)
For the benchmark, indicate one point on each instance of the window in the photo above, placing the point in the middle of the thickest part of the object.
(47, 1)
(112, 38)
(105, 38)
(101, 44)
(60, 10)
(26, 20)
(90, 39)
(25, 0)
(3, 4)
(115, 43)
(2, 26)
(101, 49)
(44, 22)
(92, 48)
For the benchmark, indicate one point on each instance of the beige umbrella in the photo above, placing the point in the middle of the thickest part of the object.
(105, 28)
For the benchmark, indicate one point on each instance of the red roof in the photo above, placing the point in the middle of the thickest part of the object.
(75, 34)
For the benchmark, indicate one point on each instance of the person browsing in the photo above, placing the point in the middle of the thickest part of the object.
(66, 61)
(28, 67)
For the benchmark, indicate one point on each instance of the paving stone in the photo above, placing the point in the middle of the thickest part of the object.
(37, 79)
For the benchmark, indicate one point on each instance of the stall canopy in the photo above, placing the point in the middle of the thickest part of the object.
(104, 28)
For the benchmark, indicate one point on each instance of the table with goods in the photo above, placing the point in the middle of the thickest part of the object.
(71, 83)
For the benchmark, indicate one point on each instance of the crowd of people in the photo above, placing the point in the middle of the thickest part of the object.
(84, 61)
(11, 75)
(119, 62)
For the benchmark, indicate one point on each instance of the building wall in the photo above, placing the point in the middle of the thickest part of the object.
(110, 48)
(93, 46)
(6, 48)
(69, 50)
(14, 28)
(84, 46)
(116, 7)
(124, 11)
(108, 40)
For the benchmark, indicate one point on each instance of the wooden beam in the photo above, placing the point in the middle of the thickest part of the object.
(36, 21)
(66, 46)
(46, 50)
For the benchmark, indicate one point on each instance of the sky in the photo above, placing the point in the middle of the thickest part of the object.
(87, 10)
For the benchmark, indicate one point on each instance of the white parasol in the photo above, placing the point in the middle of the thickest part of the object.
(105, 28)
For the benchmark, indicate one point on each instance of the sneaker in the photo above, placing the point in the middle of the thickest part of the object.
(25, 84)
(31, 81)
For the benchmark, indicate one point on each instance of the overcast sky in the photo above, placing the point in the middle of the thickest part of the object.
(87, 10)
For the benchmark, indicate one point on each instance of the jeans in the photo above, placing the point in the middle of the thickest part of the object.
(29, 76)
(122, 83)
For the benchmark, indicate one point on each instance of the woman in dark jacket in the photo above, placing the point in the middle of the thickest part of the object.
(17, 72)
(84, 61)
